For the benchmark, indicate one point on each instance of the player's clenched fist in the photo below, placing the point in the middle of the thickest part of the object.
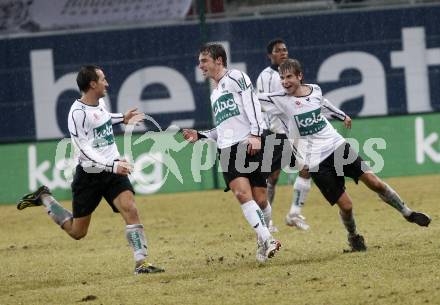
(254, 145)
(190, 135)
(124, 168)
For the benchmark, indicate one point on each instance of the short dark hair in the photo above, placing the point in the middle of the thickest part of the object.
(86, 75)
(291, 65)
(272, 43)
(215, 50)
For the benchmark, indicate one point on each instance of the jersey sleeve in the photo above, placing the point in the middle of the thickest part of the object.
(327, 108)
(79, 130)
(330, 111)
(268, 104)
(208, 134)
(117, 118)
(251, 104)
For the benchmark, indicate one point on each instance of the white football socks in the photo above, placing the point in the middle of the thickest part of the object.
(301, 189)
(267, 214)
(270, 192)
(393, 199)
(255, 218)
(136, 238)
(56, 211)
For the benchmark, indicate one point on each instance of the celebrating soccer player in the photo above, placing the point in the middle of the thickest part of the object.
(100, 172)
(238, 129)
(324, 151)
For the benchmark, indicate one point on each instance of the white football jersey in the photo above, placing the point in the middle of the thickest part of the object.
(310, 133)
(237, 111)
(269, 81)
(91, 132)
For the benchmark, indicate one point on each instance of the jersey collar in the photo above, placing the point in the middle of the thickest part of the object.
(274, 67)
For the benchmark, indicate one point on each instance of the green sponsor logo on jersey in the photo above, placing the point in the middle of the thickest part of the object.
(225, 108)
(103, 135)
(310, 122)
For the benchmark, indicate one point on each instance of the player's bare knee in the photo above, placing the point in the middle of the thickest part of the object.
(374, 183)
(127, 207)
(242, 196)
(130, 213)
(273, 178)
(262, 203)
(346, 209)
(77, 235)
(304, 173)
(345, 205)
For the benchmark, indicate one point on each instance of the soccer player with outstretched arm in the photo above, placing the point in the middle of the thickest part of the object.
(101, 171)
(269, 81)
(237, 132)
(325, 152)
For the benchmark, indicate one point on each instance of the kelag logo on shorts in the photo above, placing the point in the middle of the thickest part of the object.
(225, 108)
(103, 135)
(310, 122)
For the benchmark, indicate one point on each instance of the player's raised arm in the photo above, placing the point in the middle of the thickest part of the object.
(117, 118)
(347, 122)
(331, 111)
(192, 135)
(133, 116)
(268, 104)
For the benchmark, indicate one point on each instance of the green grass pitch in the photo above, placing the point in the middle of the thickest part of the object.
(208, 251)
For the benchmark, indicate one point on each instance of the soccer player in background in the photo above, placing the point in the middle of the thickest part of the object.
(269, 81)
(325, 152)
(100, 173)
(238, 128)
